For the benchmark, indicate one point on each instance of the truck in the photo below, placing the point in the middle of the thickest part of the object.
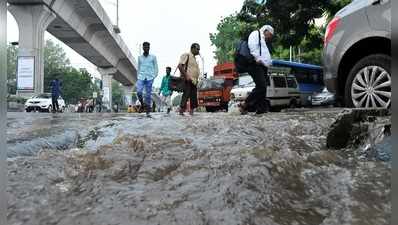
(214, 93)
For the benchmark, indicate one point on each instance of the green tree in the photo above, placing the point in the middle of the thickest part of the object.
(294, 22)
(117, 93)
(76, 84)
(11, 68)
(230, 30)
(55, 63)
(333, 7)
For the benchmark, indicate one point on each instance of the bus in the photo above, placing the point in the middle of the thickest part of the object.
(309, 77)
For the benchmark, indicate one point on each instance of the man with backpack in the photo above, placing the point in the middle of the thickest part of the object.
(253, 56)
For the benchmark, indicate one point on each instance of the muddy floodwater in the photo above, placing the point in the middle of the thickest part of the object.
(210, 169)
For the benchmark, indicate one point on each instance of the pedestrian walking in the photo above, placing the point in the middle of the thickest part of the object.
(165, 92)
(55, 93)
(147, 72)
(190, 71)
(258, 69)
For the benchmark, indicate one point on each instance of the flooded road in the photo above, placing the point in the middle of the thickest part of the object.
(210, 169)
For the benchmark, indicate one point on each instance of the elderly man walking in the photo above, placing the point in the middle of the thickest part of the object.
(147, 72)
(257, 44)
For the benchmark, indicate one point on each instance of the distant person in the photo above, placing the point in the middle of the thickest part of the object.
(147, 72)
(190, 71)
(55, 93)
(165, 92)
(258, 70)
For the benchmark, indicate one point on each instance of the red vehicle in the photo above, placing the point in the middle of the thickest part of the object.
(214, 93)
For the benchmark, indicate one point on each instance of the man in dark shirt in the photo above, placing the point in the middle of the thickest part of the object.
(55, 93)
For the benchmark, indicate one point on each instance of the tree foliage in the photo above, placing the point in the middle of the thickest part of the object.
(294, 23)
(11, 68)
(117, 93)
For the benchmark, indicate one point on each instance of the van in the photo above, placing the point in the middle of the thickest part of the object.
(282, 89)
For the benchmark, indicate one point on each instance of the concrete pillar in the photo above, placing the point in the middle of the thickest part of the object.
(3, 112)
(128, 93)
(33, 21)
(107, 77)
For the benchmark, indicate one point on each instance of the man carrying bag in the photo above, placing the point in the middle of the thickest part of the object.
(190, 71)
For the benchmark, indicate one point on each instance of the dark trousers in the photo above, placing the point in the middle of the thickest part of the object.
(190, 92)
(55, 105)
(256, 101)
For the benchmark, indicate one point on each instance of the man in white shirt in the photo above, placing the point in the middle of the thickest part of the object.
(259, 71)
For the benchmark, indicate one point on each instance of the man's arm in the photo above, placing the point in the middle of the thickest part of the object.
(139, 64)
(155, 64)
(254, 46)
(181, 65)
(162, 85)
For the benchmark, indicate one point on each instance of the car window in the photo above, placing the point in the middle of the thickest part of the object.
(211, 83)
(245, 80)
(279, 82)
(291, 83)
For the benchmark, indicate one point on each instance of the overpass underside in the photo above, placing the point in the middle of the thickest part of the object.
(82, 25)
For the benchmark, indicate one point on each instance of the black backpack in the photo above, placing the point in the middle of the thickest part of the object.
(243, 59)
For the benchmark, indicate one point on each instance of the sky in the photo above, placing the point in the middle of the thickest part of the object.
(170, 26)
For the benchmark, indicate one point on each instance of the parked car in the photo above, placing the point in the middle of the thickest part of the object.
(43, 102)
(357, 54)
(323, 98)
(282, 90)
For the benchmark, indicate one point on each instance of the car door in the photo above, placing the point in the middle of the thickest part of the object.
(281, 95)
(379, 14)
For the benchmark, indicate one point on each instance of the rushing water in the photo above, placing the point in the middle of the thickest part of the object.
(208, 169)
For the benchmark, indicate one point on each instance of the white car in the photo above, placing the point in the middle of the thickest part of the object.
(282, 90)
(43, 102)
(323, 98)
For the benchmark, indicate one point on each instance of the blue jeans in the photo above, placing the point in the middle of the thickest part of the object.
(147, 84)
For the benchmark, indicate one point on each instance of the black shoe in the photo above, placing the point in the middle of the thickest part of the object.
(242, 109)
(258, 112)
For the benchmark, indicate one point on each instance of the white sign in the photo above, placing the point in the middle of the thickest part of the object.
(25, 73)
(106, 94)
(95, 95)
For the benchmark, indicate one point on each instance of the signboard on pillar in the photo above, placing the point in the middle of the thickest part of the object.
(25, 73)
(105, 97)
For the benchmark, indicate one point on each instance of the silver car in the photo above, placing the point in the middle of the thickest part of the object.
(357, 54)
(323, 98)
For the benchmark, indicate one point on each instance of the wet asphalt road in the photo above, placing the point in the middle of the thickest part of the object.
(210, 169)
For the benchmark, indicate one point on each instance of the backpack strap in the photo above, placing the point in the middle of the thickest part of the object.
(259, 41)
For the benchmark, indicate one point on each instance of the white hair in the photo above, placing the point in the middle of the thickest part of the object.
(268, 28)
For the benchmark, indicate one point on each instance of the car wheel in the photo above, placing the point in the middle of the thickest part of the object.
(369, 83)
(28, 110)
(49, 108)
(210, 109)
(293, 103)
